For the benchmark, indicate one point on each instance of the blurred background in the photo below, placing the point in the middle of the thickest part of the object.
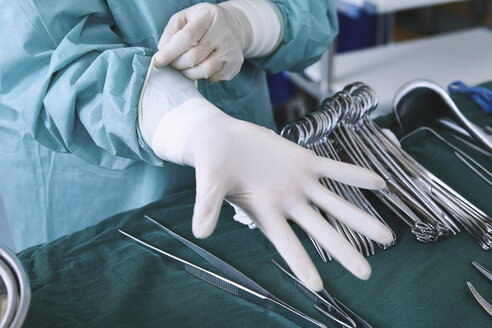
(384, 43)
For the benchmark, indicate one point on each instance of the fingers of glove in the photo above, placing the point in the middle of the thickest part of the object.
(205, 69)
(278, 231)
(176, 23)
(193, 56)
(349, 214)
(336, 245)
(182, 40)
(347, 173)
(208, 202)
(228, 71)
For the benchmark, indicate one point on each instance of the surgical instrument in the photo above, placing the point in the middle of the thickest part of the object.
(11, 293)
(3, 299)
(333, 311)
(462, 135)
(309, 133)
(486, 305)
(473, 165)
(325, 303)
(236, 275)
(238, 284)
(483, 270)
(425, 100)
(472, 168)
(342, 130)
(16, 287)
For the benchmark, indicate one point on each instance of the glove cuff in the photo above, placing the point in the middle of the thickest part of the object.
(163, 90)
(264, 21)
(170, 110)
(177, 126)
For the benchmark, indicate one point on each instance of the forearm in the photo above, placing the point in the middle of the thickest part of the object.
(261, 24)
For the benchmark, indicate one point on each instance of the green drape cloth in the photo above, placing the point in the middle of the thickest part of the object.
(98, 278)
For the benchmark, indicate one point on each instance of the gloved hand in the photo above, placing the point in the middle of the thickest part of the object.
(272, 179)
(208, 41)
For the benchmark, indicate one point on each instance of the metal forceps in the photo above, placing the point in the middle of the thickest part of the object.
(238, 284)
(486, 305)
(327, 304)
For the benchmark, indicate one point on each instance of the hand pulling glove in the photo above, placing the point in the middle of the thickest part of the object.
(208, 41)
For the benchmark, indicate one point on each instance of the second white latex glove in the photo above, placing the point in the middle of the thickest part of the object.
(272, 179)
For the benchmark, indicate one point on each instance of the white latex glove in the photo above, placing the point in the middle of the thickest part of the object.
(208, 41)
(272, 179)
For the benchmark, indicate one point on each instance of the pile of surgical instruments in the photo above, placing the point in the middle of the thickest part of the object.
(240, 285)
(341, 129)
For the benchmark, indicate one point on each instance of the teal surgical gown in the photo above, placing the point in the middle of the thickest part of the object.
(71, 73)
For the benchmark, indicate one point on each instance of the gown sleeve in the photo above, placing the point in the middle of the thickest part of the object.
(309, 27)
(72, 81)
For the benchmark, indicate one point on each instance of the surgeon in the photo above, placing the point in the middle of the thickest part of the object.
(110, 105)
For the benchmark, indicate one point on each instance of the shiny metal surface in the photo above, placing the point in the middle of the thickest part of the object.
(480, 299)
(238, 284)
(22, 286)
(473, 165)
(3, 299)
(324, 302)
(341, 129)
(11, 294)
(315, 131)
(483, 270)
(424, 100)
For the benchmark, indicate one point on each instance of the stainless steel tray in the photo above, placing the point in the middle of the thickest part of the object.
(15, 291)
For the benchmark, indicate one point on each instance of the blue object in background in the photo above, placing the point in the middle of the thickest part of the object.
(481, 96)
(359, 31)
(280, 88)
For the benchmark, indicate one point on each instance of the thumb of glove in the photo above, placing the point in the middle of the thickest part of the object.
(208, 202)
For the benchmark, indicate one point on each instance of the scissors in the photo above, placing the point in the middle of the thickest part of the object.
(486, 305)
(238, 284)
